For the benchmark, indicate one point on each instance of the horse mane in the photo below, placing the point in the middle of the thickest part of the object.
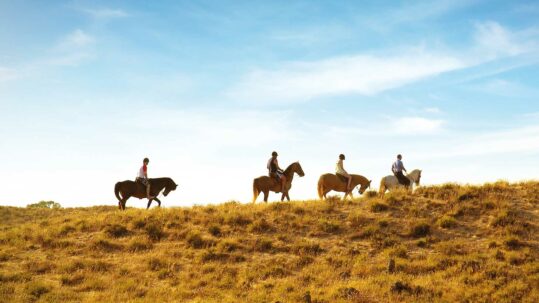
(361, 178)
(287, 170)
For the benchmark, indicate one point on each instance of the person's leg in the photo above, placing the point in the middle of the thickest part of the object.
(148, 190)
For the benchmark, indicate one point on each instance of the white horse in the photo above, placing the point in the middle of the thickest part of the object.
(391, 182)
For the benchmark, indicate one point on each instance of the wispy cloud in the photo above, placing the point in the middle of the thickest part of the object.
(371, 74)
(77, 38)
(417, 125)
(416, 11)
(506, 88)
(362, 74)
(511, 142)
(494, 40)
(7, 74)
(432, 110)
(106, 13)
(72, 49)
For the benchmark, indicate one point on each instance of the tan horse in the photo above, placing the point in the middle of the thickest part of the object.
(329, 182)
(266, 184)
(391, 182)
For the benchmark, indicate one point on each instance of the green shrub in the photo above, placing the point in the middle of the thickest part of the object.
(45, 204)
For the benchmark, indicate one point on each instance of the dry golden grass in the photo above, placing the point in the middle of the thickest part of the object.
(448, 243)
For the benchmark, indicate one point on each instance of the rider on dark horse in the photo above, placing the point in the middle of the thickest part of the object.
(397, 169)
(275, 171)
(142, 177)
(339, 170)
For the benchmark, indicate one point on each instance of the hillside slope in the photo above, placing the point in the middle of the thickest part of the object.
(448, 243)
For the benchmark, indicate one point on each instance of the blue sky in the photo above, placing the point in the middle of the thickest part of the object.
(208, 89)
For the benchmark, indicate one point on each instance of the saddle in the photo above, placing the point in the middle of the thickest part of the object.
(342, 178)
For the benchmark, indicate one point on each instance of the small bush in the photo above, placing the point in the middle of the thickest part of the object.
(212, 255)
(116, 231)
(154, 230)
(196, 241)
(420, 230)
(70, 280)
(306, 248)
(329, 227)
(228, 246)
(377, 207)
(447, 222)
(261, 226)
(512, 243)
(37, 289)
(214, 230)
(399, 252)
(505, 217)
(106, 245)
(139, 244)
(370, 194)
(263, 245)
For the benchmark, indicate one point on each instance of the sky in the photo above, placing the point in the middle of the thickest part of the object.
(208, 89)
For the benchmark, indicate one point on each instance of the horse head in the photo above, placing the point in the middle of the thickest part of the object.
(364, 187)
(418, 178)
(299, 170)
(170, 186)
(415, 176)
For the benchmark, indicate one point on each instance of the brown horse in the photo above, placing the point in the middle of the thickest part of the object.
(129, 189)
(266, 184)
(329, 182)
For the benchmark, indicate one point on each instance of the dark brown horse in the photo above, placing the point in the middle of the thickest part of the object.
(129, 189)
(266, 184)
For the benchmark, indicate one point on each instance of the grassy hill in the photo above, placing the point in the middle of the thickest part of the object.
(447, 243)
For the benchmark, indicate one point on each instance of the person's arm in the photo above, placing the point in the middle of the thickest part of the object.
(277, 164)
(403, 167)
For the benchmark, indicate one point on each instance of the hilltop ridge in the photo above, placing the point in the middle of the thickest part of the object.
(447, 243)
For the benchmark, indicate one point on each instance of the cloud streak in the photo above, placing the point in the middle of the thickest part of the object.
(106, 13)
(371, 74)
(362, 74)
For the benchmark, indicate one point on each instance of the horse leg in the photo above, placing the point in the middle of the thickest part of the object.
(158, 202)
(123, 202)
(266, 193)
(287, 197)
(149, 203)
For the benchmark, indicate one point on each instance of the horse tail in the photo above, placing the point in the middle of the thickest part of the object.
(256, 192)
(117, 191)
(320, 188)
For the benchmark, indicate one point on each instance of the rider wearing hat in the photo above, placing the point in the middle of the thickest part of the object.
(275, 171)
(339, 170)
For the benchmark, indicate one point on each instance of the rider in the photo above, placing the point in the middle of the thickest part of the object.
(339, 170)
(397, 169)
(142, 177)
(275, 171)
